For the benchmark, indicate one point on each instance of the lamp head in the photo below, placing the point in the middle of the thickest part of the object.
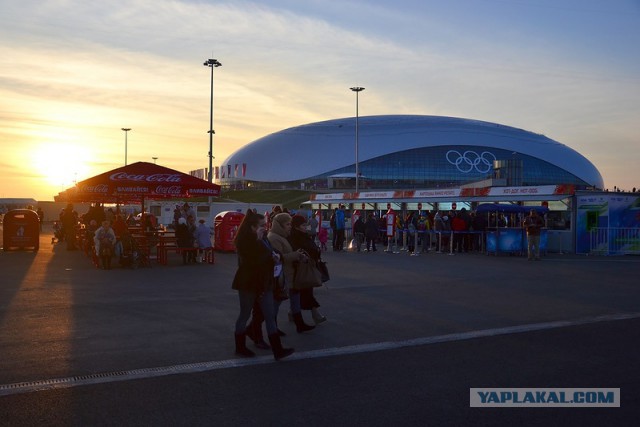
(212, 63)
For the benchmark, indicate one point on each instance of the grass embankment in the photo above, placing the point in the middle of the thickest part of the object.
(287, 198)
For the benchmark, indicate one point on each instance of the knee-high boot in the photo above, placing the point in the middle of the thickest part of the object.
(241, 346)
(254, 331)
(276, 346)
(300, 325)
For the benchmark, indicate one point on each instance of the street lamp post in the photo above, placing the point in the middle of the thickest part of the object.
(154, 160)
(126, 132)
(211, 63)
(357, 90)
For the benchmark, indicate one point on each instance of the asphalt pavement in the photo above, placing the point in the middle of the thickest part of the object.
(406, 338)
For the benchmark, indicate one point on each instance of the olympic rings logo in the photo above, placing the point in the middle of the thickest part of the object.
(470, 160)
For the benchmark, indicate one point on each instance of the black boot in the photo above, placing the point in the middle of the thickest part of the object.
(241, 347)
(300, 325)
(276, 347)
(254, 331)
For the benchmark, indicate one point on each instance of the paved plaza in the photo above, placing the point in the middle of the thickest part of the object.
(406, 338)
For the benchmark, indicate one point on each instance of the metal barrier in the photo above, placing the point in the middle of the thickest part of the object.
(614, 241)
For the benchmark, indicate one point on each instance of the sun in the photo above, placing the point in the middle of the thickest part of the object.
(61, 165)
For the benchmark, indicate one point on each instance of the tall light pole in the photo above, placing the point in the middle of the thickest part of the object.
(357, 90)
(126, 132)
(211, 63)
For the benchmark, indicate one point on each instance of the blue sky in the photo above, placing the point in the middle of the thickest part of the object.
(72, 73)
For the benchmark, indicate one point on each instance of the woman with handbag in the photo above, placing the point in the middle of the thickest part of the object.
(278, 235)
(301, 240)
(258, 267)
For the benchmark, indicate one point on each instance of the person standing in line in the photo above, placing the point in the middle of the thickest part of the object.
(459, 227)
(340, 226)
(334, 230)
(258, 267)
(300, 240)
(371, 232)
(533, 225)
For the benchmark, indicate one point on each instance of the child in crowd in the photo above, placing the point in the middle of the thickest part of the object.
(323, 236)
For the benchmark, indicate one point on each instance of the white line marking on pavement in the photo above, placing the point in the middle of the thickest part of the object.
(134, 374)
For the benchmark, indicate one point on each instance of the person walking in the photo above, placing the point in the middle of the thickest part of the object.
(258, 266)
(278, 235)
(533, 224)
(300, 240)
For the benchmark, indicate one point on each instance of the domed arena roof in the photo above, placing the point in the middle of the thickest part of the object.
(310, 150)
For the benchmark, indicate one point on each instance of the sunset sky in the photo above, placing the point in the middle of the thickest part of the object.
(73, 73)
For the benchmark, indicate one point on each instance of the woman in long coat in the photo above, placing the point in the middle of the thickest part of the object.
(301, 240)
(258, 265)
(278, 235)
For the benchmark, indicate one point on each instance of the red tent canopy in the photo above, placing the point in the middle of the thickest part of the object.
(136, 182)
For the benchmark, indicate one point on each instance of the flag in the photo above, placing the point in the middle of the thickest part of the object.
(235, 170)
(229, 171)
(217, 172)
(244, 170)
(222, 172)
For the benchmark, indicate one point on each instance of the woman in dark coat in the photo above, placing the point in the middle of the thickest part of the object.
(300, 239)
(258, 265)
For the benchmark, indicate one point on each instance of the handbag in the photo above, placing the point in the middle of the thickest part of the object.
(324, 271)
(306, 276)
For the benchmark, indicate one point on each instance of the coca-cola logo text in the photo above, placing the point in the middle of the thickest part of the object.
(156, 177)
(173, 189)
(100, 188)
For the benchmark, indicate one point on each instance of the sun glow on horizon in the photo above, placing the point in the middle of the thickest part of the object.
(61, 165)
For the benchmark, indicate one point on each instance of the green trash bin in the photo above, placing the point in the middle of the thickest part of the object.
(21, 230)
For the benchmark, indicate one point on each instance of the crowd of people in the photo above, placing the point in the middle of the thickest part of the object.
(106, 232)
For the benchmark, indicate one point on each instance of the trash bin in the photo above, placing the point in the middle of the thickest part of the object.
(21, 230)
(225, 228)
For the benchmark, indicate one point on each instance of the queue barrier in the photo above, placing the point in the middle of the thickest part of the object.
(614, 241)
(512, 241)
(435, 238)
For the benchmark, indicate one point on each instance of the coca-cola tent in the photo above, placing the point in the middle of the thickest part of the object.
(136, 182)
